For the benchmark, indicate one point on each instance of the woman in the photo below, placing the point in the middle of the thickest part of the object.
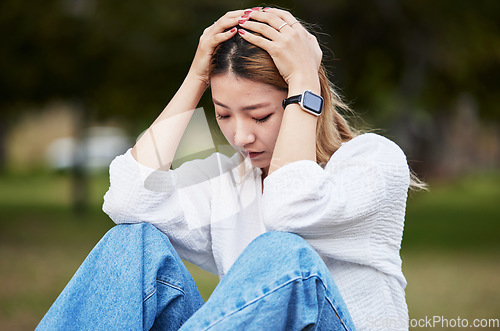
(303, 225)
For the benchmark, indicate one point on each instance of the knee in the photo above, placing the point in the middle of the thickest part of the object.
(124, 230)
(281, 245)
(281, 239)
(283, 255)
(134, 235)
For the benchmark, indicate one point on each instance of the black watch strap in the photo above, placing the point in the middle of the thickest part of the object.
(294, 99)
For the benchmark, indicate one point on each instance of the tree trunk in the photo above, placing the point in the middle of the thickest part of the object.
(79, 176)
(3, 145)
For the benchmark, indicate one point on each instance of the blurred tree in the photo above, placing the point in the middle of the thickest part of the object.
(406, 63)
(401, 60)
(432, 51)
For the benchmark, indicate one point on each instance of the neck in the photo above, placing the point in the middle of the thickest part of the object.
(265, 171)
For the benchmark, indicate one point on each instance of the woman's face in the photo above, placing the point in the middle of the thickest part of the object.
(249, 115)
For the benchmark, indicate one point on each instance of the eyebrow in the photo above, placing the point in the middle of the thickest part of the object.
(251, 107)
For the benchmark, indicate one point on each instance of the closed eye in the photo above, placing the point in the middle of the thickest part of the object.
(221, 117)
(263, 119)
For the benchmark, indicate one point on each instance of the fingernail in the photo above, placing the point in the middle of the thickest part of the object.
(233, 30)
(257, 8)
(246, 15)
(266, 8)
(247, 12)
(241, 21)
(241, 31)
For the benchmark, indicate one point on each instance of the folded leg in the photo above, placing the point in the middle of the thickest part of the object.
(278, 283)
(132, 280)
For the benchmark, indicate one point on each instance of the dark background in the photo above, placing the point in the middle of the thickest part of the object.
(423, 73)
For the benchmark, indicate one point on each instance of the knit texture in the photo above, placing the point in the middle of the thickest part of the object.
(351, 212)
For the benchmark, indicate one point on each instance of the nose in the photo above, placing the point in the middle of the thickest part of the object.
(243, 136)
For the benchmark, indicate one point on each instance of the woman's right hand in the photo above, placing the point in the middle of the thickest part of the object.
(211, 37)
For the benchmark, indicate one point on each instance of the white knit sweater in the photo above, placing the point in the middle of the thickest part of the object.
(351, 212)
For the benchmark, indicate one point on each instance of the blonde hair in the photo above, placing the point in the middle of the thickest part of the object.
(246, 60)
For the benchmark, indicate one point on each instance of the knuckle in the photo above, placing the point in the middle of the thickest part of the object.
(205, 32)
(216, 38)
(289, 38)
(294, 33)
(232, 13)
(277, 51)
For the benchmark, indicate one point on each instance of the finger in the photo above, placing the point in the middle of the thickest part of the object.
(222, 29)
(235, 13)
(283, 14)
(261, 42)
(262, 28)
(223, 36)
(269, 18)
(298, 24)
(229, 20)
(286, 16)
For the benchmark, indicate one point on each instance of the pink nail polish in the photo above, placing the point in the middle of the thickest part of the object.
(241, 21)
(257, 8)
(247, 12)
(233, 30)
(241, 31)
(245, 16)
(266, 8)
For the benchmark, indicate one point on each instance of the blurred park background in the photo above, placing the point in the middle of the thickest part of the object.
(80, 79)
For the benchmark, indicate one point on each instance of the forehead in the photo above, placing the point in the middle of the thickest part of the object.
(228, 88)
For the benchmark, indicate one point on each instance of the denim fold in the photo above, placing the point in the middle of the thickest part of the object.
(134, 279)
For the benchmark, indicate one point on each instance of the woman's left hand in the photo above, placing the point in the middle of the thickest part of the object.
(295, 52)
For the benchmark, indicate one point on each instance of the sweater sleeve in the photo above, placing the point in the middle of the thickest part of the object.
(177, 202)
(338, 209)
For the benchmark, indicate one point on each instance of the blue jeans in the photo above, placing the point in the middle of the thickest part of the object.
(134, 280)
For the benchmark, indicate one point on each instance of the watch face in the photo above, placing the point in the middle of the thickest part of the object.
(312, 102)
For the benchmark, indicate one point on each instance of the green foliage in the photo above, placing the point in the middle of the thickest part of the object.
(401, 55)
(128, 58)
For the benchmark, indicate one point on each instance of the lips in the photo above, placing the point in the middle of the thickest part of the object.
(254, 154)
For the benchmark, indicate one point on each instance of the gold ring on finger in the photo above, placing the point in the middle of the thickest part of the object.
(281, 26)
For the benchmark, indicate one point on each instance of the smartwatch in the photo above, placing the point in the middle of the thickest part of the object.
(308, 101)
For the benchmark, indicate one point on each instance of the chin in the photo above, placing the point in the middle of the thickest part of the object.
(260, 163)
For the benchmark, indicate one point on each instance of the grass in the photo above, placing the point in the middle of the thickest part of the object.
(463, 215)
(450, 249)
(452, 284)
